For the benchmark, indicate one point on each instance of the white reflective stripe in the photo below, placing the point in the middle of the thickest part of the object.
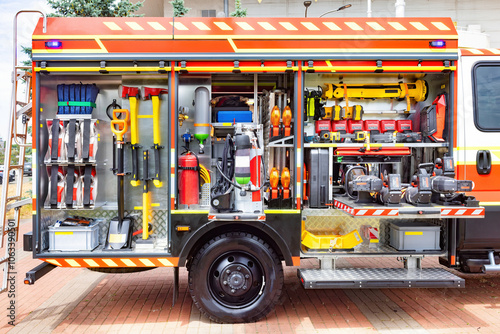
(134, 25)
(128, 263)
(55, 262)
(309, 25)
(91, 262)
(375, 26)
(331, 26)
(445, 212)
(288, 26)
(477, 212)
(201, 26)
(461, 212)
(361, 212)
(245, 26)
(440, 25)
(223, 26)
(147, 262)
(353, 25)
(165, 262)
(419, 26)
(179, 26)
(157, 26)
(299, 190)
(266, 25)
(242, 161)
(299, 157)
(110, 263)
(378, 212)
(172, 186)
(73, 263)
(397, 26)
(393, 212)
(172, 157)
(112, 25)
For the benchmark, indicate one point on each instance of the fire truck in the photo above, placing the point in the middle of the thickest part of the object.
(236, 146)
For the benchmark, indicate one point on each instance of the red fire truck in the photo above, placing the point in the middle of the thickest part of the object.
(234, 146)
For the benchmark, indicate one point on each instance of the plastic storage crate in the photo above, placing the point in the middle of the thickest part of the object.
(74, 238)
(414, 237)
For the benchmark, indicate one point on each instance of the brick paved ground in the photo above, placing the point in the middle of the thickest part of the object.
(79, 300)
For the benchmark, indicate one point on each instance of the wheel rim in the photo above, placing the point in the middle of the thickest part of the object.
(236, 279)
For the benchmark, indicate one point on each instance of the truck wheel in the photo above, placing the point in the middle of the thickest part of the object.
(236, 277)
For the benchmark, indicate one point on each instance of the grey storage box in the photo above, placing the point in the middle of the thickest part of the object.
(74, 238)
(414, 236)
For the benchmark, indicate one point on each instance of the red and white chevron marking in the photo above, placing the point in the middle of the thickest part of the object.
(445, 212)
(366, 212)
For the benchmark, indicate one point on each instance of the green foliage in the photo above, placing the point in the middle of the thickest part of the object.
(238, 11)
(94, 8)
(179, 8)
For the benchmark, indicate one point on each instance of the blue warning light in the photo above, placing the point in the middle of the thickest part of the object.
(53, 44)
(437, 44)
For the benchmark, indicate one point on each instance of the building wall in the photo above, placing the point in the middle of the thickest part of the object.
(197, 6)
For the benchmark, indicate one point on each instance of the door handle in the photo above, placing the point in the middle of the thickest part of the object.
(483, 162)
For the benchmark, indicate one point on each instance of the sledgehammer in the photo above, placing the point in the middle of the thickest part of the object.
(132, 94)
(154, 94)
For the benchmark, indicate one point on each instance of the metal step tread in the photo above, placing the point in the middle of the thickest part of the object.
(367, 278)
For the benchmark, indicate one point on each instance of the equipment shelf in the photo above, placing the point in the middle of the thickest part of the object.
(374, 145)
(405, 210)
(367, 250)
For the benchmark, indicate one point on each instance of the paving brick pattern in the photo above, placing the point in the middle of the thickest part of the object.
(79, 300)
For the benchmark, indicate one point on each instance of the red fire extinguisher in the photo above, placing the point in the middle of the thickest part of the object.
(189, 182)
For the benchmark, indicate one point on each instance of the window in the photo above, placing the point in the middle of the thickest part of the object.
(486, 95)
(208, 13)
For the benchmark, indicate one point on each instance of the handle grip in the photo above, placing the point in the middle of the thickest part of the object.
(120, 131)
(117, 113)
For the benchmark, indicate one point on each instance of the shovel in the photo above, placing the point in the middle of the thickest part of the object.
(120, 228)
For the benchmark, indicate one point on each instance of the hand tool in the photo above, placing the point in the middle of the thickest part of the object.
(132, 94)
(120, 228)
(154, 95)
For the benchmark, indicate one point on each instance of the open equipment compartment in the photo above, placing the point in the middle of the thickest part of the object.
(250, 147)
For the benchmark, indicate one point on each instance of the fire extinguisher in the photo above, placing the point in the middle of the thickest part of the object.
(189, 182)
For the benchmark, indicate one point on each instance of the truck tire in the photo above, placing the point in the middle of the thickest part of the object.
(235, 277)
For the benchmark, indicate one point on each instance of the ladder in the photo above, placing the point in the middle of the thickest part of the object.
(19, 116)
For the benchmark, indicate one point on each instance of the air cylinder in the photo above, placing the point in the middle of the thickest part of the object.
(201, 116)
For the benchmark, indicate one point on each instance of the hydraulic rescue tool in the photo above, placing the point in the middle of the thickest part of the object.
(390, 194)
(155, 94)
(133, 94)
(417, 90)
(360, 186)
(120, 228)
(445, 188)
(419, 191)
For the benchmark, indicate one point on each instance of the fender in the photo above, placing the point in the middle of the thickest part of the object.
(270, 235)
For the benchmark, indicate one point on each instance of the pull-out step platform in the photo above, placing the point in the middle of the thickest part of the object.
(368, 278)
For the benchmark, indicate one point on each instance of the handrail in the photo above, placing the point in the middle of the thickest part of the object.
(15, 67)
